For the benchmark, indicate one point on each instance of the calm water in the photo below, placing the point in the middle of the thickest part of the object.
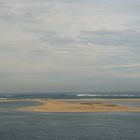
(10, 106)
(69, 126)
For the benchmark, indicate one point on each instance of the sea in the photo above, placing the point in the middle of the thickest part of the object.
(24, 125)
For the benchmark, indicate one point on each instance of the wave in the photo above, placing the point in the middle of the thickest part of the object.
(79, 95)
(3, 98)
(107, 95)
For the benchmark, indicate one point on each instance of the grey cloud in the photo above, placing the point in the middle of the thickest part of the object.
(55, 38)
(127, 38)
(66, 44)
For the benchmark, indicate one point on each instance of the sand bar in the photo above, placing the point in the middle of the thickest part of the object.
(96, 105)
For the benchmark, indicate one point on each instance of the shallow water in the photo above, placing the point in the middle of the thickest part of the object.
(9, 106)
(128, 103)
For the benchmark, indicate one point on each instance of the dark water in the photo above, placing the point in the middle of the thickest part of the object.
(69, 126)
(80, 95)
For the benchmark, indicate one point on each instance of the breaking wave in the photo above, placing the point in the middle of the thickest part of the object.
(107, 95)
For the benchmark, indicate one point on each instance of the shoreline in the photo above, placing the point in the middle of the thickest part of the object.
(81, 105)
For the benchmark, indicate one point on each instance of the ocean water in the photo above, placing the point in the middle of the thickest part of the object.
(69, 126)
(72, 95)
(21, 125)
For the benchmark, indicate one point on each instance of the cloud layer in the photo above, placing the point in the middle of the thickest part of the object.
(68, 45)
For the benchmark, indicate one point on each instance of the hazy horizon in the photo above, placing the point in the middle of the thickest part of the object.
(68, 45)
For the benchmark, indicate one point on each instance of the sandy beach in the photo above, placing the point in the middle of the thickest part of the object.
(97, 105)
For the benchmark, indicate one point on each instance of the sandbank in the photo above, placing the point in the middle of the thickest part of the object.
(95, 105)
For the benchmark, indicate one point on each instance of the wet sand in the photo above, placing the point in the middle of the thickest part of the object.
(96, 105)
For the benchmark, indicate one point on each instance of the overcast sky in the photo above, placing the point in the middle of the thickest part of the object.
(69, 45)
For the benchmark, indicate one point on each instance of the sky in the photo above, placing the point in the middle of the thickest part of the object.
(69, 45)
